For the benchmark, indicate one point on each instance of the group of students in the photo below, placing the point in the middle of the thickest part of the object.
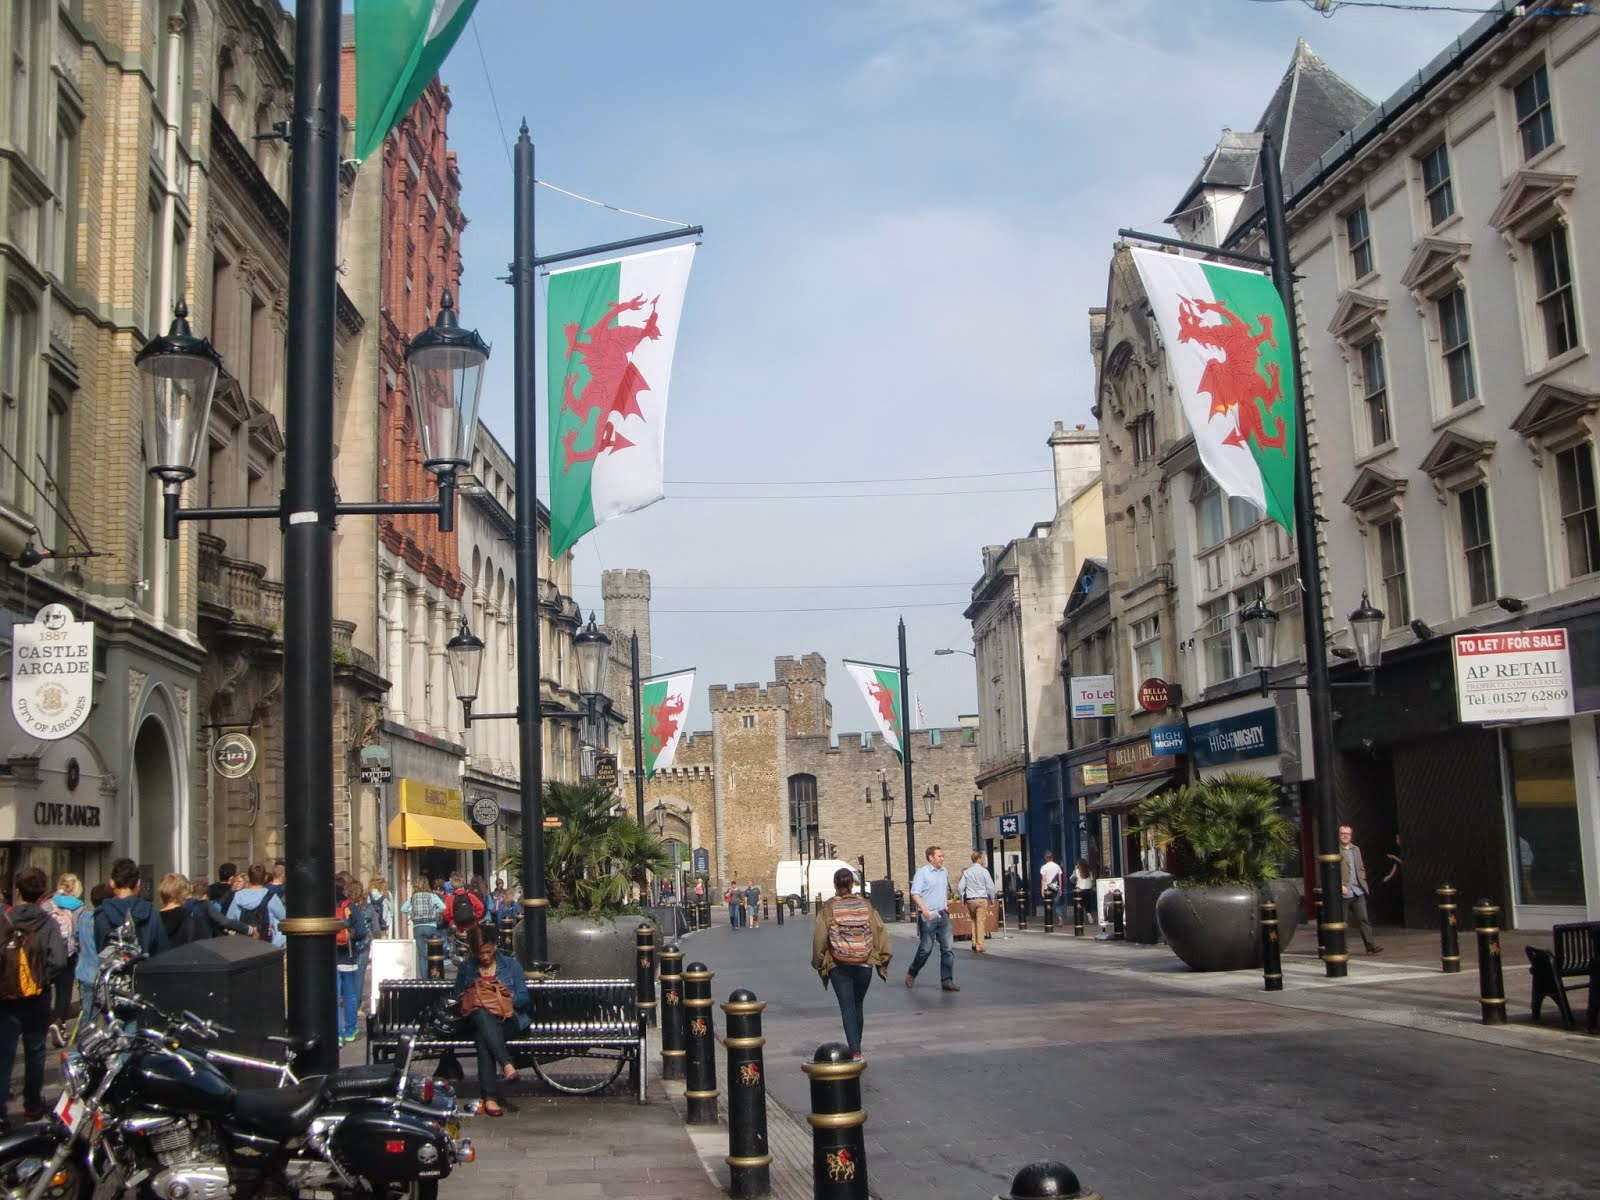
(449, 908)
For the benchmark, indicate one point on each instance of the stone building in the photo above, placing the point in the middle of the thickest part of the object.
(770, 776)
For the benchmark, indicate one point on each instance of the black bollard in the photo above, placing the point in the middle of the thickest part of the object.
(1077, 913)
(766, 910)
(645, 978)
(672, 1052)
(705, 913)
(435, 946)
(837, 1120)
(749, 1164)
(508, 930)
(700, 1063)
(1491, 984)
(1049, 913)
(1047, 1181)
(1271, 951)
(1119, 931)
(781, 907)
(1319, 922)
(1449, 935)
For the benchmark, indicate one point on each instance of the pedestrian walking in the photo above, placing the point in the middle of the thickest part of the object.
(351, 948)
(127, 906)
(1394, 887)
(848, 943)
(1082, 883)
(424, 910)
(977, 890)
(256, 906)
(32, 954)
(63, 908)
(930, 897)
(380, 906)
(220, 892)
(209, 915)
(177, 918)
(1353, 883)
(1050, 883)
(734, 899)
(752, 903)
(88, 969)
(278, 884)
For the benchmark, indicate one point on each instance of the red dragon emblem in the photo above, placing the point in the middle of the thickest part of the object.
(1235, 382)
(614, 382)
(884, 699)
(664, 719)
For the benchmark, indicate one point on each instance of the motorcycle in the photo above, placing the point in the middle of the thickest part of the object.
(148, 1113)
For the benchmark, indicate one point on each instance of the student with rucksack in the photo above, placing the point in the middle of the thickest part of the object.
(850, 941)
(32, 954)
(125, 905)
(426, 912)
(88, 969)
(63, 908)
(351, 946)
(258, 908)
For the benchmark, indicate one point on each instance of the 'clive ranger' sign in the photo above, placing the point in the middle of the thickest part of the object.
(52, 673)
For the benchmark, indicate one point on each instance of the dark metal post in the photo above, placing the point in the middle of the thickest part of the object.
(508, 930)
(1331, 915)
(672, 1053)
(638, 734)
(1491, 984)
(645, 979)
(435, 946)
(1271, 950)
(749, 1163)
(782, 904)
(700, 1062)
(837, 1120)
(905, 761)
(530, 738)
(1077, 913)
(1048, 1181)
(1449, 934)
(1118, 928)
(308, 536)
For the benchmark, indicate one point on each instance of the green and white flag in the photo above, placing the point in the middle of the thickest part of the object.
(880, 687)
(400, 45)
(663, 701)
(1228, 351)
(612, 330)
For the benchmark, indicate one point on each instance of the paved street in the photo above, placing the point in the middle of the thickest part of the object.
(1153, 1083)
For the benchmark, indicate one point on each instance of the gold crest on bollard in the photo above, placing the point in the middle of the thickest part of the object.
(750, 1074)
(841, 1165)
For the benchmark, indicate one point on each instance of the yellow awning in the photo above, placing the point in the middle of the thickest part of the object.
(414, 831)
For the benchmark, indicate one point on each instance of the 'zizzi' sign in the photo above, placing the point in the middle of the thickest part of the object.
(52, 673)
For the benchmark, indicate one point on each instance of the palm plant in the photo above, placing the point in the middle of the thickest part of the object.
(1223, 831)
(589, 841)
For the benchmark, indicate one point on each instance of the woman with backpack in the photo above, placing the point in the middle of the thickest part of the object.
(351, 945)
(64, 908)
(425, 911)
(378, 906)
(88, 969)
(850, 941)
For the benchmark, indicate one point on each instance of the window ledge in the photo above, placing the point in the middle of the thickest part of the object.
(1372, 276)
(1456, 414)
(1544, 156)
(1376, 453)
(1449, 222)
(1565, 359)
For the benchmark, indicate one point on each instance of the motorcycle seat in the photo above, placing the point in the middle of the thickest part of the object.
(279, 1113)
(352, 1083)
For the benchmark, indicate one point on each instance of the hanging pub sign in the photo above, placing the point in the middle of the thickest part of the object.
(1155, 695)
(52, 673)
(234, 755)
(605, 770)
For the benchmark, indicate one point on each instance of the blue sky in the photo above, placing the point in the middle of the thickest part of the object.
(909, 205)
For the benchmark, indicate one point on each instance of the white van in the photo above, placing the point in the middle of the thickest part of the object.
(817, 878)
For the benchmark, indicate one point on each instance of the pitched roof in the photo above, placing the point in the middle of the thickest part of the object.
(1311, 109)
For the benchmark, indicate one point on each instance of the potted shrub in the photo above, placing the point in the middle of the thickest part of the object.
(595, 866)
(1226, 840)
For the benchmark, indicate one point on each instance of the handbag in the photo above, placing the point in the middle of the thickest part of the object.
(488, 994)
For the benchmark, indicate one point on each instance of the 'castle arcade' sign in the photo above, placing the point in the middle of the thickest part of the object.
(52, 673)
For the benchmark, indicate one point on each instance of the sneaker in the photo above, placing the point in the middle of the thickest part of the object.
(56, 1036)
(1374, 949)
(950, 987)
(856, 1057)
(911, 981)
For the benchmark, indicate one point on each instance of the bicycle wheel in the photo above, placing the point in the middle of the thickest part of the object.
(581, 1075)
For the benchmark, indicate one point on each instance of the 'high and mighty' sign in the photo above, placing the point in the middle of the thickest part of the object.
(1519, 676)
(52, 673)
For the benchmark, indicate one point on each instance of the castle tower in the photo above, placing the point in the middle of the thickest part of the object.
(625, 604)
(806, 681)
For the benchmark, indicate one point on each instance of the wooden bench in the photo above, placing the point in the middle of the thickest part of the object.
(583, 1031)
(1572, 955)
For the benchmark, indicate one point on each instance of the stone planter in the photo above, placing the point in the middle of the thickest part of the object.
(1219, 928)
(585, 947)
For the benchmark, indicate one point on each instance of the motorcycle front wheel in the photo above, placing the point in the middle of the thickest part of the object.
(20, 1172)
(423, 1189)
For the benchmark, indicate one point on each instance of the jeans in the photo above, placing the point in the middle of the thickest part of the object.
(489, 1032)
(927, 932)
(62, 1008)
(29, 1020)
(850, 982)
(86, 1000)
(736, 915)
(350, 1000)
(420, 934)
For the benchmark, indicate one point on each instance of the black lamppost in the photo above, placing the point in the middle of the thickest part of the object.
(180, 371)
(593, 649)
(1366, 630)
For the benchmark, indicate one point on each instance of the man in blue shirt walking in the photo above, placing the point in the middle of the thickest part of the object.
(930, 897)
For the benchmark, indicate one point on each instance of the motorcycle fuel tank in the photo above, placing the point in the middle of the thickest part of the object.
(390, 1147)
(176, 1080)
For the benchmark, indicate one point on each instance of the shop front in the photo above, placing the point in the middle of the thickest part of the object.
(1088, 777)
(429, 835)
(1136, 767)
(58, 812)
(494, 810)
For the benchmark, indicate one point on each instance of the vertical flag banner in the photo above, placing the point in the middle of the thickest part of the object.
(922, 717)
(400, 45)
(663, 701)
(880, 686)
(1227, 344)
(612, 329)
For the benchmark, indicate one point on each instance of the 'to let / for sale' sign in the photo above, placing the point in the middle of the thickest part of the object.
(1520, 676)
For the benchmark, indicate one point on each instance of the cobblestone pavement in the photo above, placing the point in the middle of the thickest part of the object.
(1153, 1082)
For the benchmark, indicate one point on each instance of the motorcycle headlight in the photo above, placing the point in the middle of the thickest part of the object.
(78, 1073)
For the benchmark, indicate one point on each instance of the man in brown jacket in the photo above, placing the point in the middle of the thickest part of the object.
(1353, 883)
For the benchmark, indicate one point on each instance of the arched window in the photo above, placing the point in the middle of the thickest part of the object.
(802, 815)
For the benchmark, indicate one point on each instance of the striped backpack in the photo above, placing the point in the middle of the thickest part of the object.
(850, 930)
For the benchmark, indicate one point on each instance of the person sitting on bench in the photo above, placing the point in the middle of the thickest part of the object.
(494, 1008)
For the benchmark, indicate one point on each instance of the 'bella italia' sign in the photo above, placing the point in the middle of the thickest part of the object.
(52, 673)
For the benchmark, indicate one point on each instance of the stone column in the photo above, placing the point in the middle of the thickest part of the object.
(395, 644)
(417, 675)
(441, 698)
(507, 735)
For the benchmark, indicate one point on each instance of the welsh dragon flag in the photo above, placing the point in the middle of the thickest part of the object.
(612, 329)
(881, 688)
(400, 45)
(663, 701)
(1228, 351)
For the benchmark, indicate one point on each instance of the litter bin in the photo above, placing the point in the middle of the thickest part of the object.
(882, 897)
(1140, 891)
(237, 981)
